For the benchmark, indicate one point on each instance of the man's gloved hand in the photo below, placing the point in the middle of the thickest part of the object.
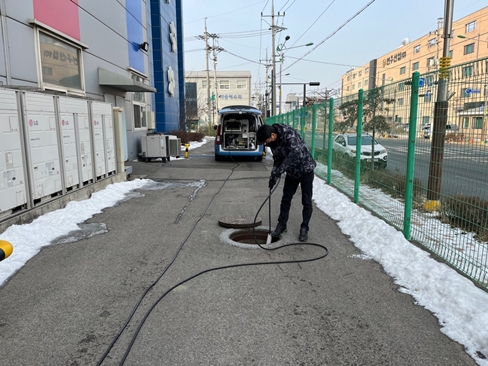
(272, 181)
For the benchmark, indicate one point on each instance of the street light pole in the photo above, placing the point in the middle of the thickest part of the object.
(282, 49)
(312, 83)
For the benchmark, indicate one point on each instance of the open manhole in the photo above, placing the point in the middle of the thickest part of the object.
(250, 237)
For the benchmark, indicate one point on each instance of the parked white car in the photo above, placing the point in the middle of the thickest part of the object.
(345, 144)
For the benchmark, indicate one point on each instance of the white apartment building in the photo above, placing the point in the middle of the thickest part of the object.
(224, 88)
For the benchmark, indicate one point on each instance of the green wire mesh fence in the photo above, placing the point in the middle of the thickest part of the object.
(419, 163)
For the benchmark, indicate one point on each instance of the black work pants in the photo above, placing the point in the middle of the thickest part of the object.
(289, 190)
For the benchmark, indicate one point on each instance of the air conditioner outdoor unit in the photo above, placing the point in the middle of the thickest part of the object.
(433, 62)
(174, 146)
(153, 146)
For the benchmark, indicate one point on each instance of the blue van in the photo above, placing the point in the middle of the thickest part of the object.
(236, 132)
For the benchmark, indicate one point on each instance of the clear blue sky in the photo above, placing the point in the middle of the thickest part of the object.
(245, 35)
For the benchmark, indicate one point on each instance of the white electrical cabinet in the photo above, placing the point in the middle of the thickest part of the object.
(103, 135)
(70, 111)
(13, 188)
(85, 157)
(42, 145)
(154, 146)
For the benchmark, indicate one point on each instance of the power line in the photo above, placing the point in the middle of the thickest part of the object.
(316, 20)
(332, 34)
(322, 62)
(232, 11)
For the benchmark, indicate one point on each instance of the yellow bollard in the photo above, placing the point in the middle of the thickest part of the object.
(5, 249)
(186, 151)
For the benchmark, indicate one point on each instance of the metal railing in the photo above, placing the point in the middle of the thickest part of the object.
(452, 167)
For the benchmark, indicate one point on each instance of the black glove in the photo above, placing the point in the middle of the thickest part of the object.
(271, 183)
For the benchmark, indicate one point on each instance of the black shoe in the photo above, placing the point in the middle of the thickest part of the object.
(280, 229)
(303, 234)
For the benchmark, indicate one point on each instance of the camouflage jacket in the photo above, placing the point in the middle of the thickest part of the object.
(291, 154)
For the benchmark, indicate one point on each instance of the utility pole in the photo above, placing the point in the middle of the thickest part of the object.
(274, 30)
(215, 50)
(440, 117)
(205, 37)
(266, 86)
(207, 52)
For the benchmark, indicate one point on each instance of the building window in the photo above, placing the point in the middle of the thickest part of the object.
(471, 26)
(359, 85)
(204, 84)
(469, 48)
(428, 96)
(425, 120)
(241, 84)
(353, 86)
(60, 63)
(465, 122)
(139, 116)
(431, 42)
(415, 66)
(400, 101)
(138, 96)
(354, 76)
(360, 73)
(467, 71)
(47, 70)
(348, 77)
(401, 86)
(403, 70)
(478, 123)
(416, 49)
(449, 54)
(430, 62)
(347, 88)
(366, 71)
(224, 84)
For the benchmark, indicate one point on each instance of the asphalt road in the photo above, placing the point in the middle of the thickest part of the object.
(66, 305)
(464, 168)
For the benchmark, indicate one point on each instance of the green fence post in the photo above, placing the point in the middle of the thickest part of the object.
(329, 144)
(294, 115)
(357, 171)
(325, 125)
(314, 127)
(302, 122)
(412, 131)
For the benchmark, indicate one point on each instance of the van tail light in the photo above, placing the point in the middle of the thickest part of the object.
(217, 136)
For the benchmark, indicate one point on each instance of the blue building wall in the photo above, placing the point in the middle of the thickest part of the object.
(181, 64)
(167, 107)
(134, 34)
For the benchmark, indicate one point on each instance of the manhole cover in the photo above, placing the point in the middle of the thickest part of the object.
(238, 222)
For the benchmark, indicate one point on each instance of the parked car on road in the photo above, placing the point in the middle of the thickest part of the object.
(236, 132)
(345, 144)
(428, 130)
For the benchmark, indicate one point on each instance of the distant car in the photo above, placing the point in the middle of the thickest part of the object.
(236, 132)
(449, 128)
(345, 144)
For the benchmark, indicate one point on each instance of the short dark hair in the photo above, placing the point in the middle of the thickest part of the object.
(264, 133)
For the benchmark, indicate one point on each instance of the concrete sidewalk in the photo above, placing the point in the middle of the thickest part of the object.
(66, 305)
